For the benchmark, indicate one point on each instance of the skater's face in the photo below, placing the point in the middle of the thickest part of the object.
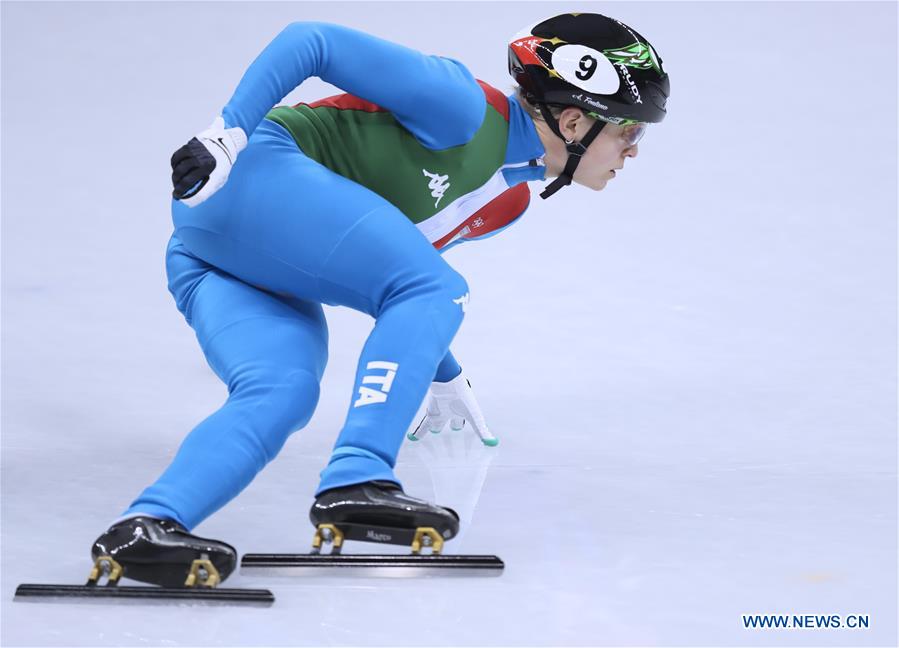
(604, 157)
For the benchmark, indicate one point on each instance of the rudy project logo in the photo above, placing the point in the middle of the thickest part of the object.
(639, 56)
(630, 82)
(611, 120)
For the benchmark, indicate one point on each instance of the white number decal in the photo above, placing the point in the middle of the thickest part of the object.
(586, 68)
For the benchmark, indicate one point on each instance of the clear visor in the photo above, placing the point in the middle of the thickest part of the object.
(633, 133)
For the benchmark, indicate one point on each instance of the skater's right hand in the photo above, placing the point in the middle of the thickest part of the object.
(201, 167)
(453, 402)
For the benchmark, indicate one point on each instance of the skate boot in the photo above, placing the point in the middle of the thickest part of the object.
(379, 511)
(163, 553)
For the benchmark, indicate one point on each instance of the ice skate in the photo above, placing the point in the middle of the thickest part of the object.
(162, 552)
(182, 566)
(379, 512)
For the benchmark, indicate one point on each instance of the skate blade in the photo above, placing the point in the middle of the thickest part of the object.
(371, 565)
(31, 592)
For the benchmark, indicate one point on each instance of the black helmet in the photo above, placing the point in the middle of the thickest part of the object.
(593, 62)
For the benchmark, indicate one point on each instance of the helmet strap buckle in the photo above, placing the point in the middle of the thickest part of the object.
(575, 148)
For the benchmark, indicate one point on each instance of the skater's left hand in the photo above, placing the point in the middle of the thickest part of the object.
(201, 167)
(453, 402)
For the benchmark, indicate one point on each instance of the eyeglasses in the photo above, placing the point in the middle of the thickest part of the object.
(633, 133)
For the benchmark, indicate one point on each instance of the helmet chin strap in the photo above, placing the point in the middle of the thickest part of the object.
(575, 150)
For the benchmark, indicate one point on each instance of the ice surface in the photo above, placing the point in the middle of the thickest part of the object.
(693, 373)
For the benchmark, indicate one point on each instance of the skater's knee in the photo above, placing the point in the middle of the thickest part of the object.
(293, 396)
(441, 290)
(448, 301)
(455, 284)
(303, 392)
(277, 404)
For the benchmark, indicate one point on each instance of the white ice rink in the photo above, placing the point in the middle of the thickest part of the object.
(692, 373)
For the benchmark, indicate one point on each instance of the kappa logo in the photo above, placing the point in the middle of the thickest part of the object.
(369, 396)
(477, 222)
(438, 184)
(462, 301)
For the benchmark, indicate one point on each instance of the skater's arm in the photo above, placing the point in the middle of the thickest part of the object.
(447, 369)
(435, 98)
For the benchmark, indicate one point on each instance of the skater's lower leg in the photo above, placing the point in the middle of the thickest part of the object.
(359, 496)
(223, 454)
(411, 337)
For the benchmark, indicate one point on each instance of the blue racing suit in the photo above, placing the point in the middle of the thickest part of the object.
(251, 266)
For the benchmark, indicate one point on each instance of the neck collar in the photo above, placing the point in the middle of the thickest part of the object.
(524, 151)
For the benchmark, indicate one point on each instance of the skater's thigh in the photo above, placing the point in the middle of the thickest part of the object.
(246, 333)
(286, 223)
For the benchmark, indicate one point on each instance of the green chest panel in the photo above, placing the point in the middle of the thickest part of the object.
(369, 146)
